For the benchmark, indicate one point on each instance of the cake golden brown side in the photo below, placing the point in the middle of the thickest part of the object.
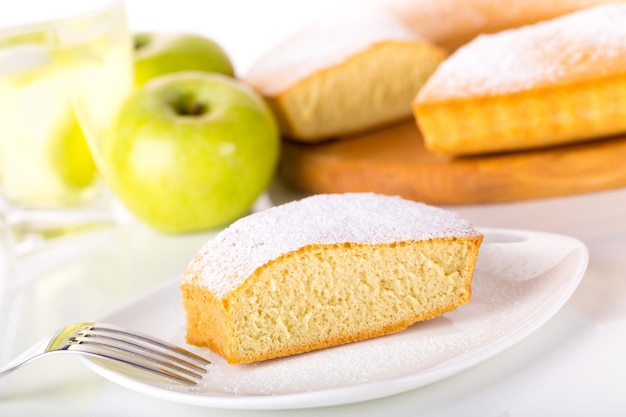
(326, 270)
(554, 82)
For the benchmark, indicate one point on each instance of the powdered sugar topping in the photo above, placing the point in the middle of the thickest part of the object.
(226, 261)
(583, 45)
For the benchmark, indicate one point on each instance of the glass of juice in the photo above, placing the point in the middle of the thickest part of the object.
(61, 63)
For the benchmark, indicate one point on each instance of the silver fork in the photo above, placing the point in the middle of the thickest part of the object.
(120, 345)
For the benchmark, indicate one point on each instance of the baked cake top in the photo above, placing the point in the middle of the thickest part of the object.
(579, 46)
(223, 263)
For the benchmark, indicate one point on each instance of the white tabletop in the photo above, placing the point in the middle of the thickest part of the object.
(574, 365)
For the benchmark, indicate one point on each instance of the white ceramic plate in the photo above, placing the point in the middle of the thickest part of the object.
(522, 279)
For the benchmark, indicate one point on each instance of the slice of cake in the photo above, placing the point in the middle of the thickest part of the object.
(344, 73)
(554, 82)
(326, 270)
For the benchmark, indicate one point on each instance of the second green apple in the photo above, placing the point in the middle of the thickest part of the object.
(163, 53)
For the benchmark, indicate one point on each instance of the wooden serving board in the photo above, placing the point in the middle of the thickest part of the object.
(394, 161)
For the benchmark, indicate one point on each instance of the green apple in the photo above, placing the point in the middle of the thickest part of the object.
(159, 53)
(191, 151)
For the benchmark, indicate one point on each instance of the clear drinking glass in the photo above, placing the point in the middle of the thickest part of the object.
(61, 62)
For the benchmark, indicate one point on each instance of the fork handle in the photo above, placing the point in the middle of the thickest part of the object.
(30, 354)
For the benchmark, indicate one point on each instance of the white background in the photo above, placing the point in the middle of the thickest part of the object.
(573, 366)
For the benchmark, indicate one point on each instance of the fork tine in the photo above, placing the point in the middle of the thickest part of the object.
(152, 367)
(154, 355)
(137, 352)
(121, 341)
(112, 329)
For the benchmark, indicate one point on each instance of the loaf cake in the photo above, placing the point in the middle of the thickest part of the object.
(326, 270)
(344, 73)
(558, 81)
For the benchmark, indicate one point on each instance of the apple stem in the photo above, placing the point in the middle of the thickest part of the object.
(196, 109)
(189, 107)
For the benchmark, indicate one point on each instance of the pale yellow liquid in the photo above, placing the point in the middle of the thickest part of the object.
(66, 89)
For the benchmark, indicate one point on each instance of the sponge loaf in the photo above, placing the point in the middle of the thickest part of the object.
(326, 270)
